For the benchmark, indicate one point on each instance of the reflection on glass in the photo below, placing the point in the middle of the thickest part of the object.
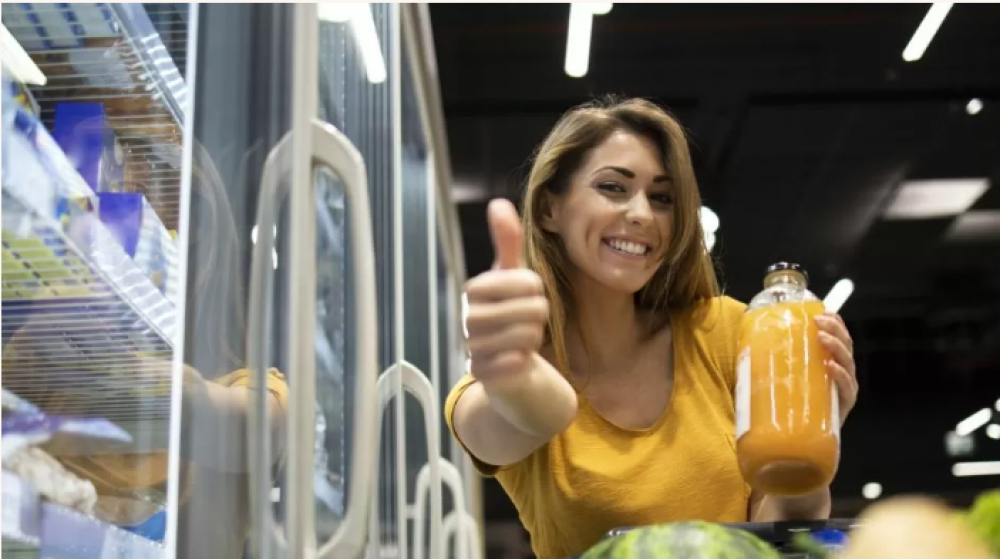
(332, 423)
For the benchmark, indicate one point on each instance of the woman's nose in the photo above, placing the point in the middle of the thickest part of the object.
(638, 212)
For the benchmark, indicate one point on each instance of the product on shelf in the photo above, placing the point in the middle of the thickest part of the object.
(21, 431)
(145, 518)
(20, 94)
(135, 225)
(50, 479)
(85, 135)
(12, 403)
(787, 421)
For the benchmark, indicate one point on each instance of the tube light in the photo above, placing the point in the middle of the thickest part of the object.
(709, 219)
(974, 106)
(600, 8)
(993, 431)
(871, 490)
(967, 469)
(925, 31)
(16, 62)
(838, 295)
(581, 22)
(365, 36)
(974, 421)
(935, 198)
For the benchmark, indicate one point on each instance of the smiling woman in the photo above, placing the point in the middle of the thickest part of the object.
(602, 356)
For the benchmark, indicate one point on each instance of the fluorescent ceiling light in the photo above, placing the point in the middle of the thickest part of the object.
(16, 62)
(465, 191)
(966, 469)
(975, 105)
(973, 422)
(365, 36)
(838, 295)
(709, 219)
(998, 405)
(925, 31)
(336, 13)
(872, 490)
(709, 241)
(976, 225)
(581, 22)
(925, 199)
(600, 8)
(993, 431)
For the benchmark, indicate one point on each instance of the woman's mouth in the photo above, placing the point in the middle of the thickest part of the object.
(628, 248)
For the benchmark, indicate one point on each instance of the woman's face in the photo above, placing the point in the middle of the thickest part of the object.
(616, 215)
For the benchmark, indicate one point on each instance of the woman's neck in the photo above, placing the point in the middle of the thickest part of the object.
(605, 329)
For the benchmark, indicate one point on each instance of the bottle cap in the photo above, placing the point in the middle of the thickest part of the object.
(790, 266)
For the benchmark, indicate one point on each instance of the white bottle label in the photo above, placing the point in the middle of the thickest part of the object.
(743, 393)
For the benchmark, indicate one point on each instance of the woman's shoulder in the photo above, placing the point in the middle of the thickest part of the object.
(711, 314)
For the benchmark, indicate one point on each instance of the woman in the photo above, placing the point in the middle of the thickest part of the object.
(603, 356)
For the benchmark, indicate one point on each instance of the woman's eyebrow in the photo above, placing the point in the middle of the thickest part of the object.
(629, 173)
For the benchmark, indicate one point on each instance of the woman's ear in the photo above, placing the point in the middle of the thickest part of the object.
(549, 210)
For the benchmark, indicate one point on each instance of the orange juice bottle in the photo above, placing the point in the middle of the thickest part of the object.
(787, 417)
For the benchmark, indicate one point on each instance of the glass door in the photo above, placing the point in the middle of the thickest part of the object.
(94, 105)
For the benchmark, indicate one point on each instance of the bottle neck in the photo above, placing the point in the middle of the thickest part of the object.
(785, 276)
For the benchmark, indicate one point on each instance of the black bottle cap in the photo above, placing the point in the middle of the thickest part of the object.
(789, 266)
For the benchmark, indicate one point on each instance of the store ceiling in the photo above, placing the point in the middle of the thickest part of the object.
(804, 121)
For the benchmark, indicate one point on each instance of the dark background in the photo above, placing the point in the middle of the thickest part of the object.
(804, 119)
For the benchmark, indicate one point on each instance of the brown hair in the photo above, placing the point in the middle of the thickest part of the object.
(686, 275)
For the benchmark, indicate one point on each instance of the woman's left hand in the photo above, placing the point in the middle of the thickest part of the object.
(837, 340)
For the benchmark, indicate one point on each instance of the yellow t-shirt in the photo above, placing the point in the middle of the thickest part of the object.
(596, 476)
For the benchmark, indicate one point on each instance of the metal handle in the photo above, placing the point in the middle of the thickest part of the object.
(429, 478)
(330, 149)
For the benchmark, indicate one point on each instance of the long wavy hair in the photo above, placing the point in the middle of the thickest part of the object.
(686, 275)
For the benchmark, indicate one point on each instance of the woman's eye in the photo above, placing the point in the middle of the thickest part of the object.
(611, 187)
(662, 199)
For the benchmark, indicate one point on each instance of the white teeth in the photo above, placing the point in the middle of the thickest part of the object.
(638, 249)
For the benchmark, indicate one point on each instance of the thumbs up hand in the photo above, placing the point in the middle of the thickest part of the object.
(507, 310)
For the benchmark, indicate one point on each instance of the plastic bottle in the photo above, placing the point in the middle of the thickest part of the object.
(787, 416)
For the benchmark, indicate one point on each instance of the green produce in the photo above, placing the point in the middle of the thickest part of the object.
(683, 540)
(984, 519)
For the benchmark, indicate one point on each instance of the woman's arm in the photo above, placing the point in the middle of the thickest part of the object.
(770, 508)
(215, 421)
(505, 420)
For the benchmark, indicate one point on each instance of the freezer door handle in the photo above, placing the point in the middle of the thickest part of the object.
(332, 150)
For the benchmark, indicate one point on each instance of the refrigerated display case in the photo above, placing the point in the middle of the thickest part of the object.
(224, 230)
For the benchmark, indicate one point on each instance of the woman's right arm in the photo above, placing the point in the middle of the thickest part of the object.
(519, 401)
(501, 423)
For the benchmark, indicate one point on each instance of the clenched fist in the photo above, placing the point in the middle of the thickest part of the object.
(507, 310)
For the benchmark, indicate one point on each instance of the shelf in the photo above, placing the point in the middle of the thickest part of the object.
(57, 532)
(81, 323)
(112, 54)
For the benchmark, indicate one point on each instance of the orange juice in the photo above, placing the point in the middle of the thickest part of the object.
(787, 421)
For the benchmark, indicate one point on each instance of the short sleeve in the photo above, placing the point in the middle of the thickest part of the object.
(731, 317)
(717, 327)
(276, 383)
(468, 380)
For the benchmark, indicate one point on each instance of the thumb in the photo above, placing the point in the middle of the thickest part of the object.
(505, 230)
